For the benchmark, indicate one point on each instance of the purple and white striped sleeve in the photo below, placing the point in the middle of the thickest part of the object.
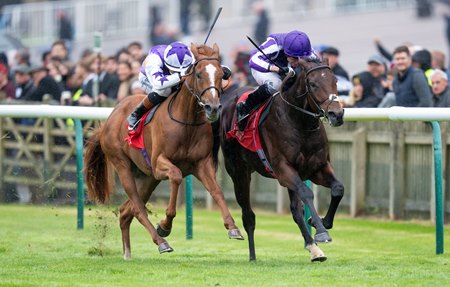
(258, 61)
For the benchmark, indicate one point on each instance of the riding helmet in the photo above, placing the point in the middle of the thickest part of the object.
(297, 44)
(178, 57)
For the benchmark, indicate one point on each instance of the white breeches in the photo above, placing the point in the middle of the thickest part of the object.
(272, 80)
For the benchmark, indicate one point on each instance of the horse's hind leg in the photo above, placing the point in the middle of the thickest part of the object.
(139, 210)
(326, 178)
(126, 214)
(241, 182)
(297, 214)
(205, 172)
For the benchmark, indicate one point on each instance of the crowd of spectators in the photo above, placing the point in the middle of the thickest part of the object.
(410, 76)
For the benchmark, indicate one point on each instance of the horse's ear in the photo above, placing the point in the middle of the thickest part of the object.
(194, 49)
(325, 61)
(216, 48)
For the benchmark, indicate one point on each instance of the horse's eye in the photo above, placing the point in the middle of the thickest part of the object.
(313, 85)
(198, 75)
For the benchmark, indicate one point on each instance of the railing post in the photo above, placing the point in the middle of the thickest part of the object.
(437, 147)
(80, 176)
(189, 211)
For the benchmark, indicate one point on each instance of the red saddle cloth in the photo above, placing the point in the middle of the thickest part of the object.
(136, 138)
(249, 137)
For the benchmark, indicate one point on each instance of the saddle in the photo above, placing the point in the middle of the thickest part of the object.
(249, 138)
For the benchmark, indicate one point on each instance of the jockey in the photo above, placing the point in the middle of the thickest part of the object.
(284, 49)
(164, 67)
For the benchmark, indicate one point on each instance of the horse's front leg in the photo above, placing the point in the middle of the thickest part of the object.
(205, 172)
(289, 178)
(327, 178)
(166, 169)
(297, 214)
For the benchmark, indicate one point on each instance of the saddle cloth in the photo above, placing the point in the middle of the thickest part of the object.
(136, 139)
(249, 138)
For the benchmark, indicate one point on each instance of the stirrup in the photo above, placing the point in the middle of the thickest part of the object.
(132, 128)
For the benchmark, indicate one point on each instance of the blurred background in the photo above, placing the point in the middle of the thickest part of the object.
(348, 25)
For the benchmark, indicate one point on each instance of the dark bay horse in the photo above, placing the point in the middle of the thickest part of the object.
(295, 144)
(178, 142)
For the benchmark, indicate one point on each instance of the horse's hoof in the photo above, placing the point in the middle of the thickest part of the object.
(162, 232)
(164, 247)
(322, 237)
(235, 234)
(319, 259)
(317, 254)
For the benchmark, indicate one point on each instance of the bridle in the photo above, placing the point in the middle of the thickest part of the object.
(321, 112)
(193, 91)
(198, 96)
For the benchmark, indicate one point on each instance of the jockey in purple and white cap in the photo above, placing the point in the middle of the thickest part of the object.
(284, 49)
(162, 69)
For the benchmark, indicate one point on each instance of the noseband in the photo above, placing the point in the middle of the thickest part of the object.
(193, 91)
(321, 112)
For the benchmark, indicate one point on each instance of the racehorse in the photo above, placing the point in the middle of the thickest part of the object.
(294, 142)
(178, 142)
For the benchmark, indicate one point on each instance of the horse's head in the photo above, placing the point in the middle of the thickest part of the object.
(205, 79)
(317, 83)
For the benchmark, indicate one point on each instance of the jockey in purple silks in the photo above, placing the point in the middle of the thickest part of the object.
(163, 68)
(284, 49)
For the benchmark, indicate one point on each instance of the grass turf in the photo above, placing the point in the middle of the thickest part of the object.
(40, 246)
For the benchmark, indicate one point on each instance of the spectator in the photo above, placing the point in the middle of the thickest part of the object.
(136, 51)
(422, 60)
(7, 88)
(109, 82)
(410, 84)
(440, 89)
(261, 27)
(45, 86)
(438, 61)
(371, 83)
(125, 74)
(24, 83)
(355, 94)
(59, 51)
(65, 31)
(58, 70)
(331, 54)
(78, 84)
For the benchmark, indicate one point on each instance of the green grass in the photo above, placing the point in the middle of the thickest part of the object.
(40, 246)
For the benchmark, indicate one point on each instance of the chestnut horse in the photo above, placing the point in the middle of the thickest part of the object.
(178, 142)
(295, 144)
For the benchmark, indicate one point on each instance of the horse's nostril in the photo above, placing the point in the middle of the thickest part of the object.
(220, 107)
(208, 108)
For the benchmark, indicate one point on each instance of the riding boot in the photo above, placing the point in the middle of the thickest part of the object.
(253, 100)
(135, 117)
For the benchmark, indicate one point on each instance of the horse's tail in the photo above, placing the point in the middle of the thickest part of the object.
(96, 169)
(216, 142)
